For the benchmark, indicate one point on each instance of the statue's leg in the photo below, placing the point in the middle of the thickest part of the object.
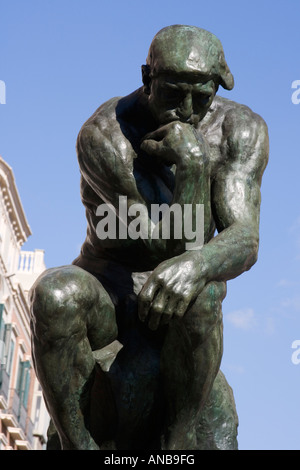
(190, 361)
(71, 315)
(217, 428)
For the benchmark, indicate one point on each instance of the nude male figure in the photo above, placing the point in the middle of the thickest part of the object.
(159, 300)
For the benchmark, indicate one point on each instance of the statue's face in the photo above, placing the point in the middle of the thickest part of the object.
(184, 97)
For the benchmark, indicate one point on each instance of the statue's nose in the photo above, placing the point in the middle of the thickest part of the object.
(185, 110)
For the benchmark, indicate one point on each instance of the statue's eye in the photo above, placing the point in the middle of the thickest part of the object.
(201, 99)
(172, 94)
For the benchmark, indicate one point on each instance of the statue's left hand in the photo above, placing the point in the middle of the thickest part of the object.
(169, 290)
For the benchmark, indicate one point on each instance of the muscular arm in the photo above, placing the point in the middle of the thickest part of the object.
(236, 201)
(236, 208)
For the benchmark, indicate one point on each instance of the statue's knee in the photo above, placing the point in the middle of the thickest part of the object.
(206, 312)
(58, 300)
(70, 303)
(211, 299)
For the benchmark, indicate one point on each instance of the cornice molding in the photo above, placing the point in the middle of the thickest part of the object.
(13, 203)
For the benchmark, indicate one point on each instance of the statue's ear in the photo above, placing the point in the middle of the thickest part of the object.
(146, 78)
(226, 77)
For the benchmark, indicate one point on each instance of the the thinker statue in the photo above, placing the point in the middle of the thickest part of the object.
(127, 341)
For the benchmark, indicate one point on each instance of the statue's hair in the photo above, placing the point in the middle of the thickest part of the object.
(175, 40)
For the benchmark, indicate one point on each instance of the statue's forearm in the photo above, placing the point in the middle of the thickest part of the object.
(180, 144)
(191, 183)
(228, 255)
(192, 187)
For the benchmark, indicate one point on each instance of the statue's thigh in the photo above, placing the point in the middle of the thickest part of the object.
(70, 302)
(188, 333)
(205, 313)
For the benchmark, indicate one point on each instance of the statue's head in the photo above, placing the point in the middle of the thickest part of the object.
(184, 68)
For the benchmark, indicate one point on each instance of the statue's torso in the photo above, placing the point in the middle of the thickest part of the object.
(154, 182)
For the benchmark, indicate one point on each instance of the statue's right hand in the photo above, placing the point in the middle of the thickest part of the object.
(176, 143)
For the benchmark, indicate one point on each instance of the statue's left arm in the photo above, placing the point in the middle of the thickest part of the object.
(236, 210)
(236, 201)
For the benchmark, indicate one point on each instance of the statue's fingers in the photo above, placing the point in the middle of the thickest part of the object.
(156, 310)
(181, 308)
(170, 309)
(158, 134)
(145, 299)
(151, 146)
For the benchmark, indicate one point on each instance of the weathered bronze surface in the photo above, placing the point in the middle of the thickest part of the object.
(127, 341)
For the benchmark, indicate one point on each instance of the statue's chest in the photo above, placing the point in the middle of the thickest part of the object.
(158, 187)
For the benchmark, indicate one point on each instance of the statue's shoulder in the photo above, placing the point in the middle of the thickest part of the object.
(238, 120)
(244, 134)
(102, 124)
(103, 135)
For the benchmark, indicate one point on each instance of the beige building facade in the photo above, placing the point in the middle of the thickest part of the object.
(23, 415)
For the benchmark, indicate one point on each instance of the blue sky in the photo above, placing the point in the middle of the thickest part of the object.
(61, 59)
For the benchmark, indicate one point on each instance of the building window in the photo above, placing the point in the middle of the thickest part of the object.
(1, 322)
(2, 344)
(7, 346)
(1, 319)
(23, 382)
(10, 356)
(37, 411)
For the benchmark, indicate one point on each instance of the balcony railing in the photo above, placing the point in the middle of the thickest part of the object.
(20, 424)
(31, 262)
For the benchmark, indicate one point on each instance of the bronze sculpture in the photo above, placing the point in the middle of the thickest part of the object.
(127, 341)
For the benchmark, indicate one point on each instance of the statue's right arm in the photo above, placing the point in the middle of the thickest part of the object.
(103, 166)
(106, 164)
